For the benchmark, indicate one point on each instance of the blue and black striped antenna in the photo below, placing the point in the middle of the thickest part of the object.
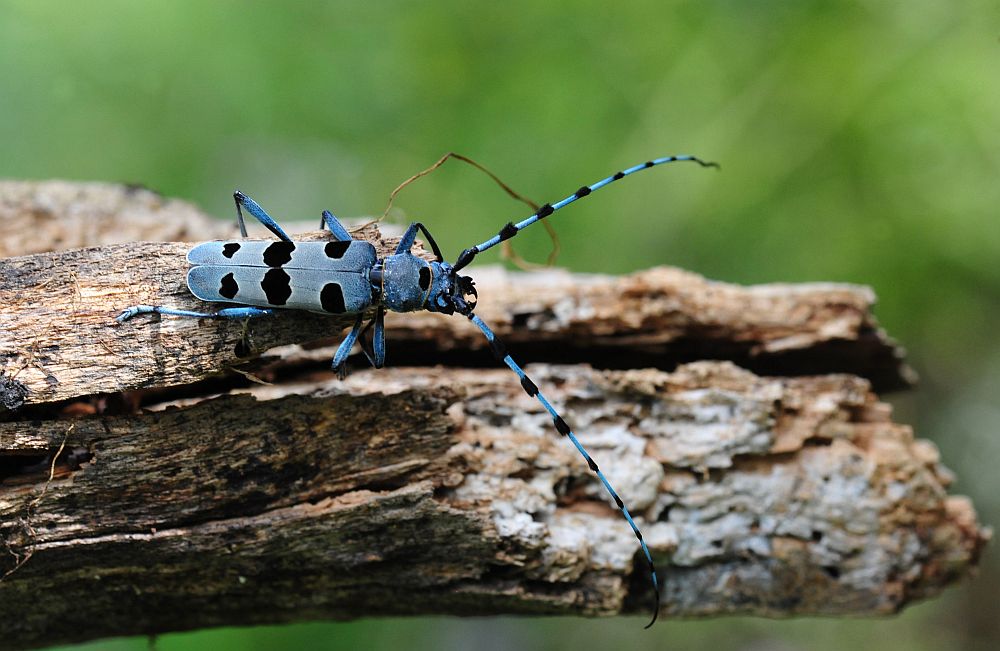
(500, 351)
(511, 229)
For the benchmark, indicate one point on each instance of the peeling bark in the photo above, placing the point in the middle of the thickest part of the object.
(445, 489)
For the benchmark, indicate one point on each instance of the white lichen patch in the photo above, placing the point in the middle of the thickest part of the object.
(707, 428)
(569, 544)
(824, 499)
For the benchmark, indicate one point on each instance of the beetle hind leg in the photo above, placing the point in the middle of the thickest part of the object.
(225, 313)
(243, 201)
(336, 228)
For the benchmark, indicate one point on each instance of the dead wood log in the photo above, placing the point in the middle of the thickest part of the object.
(445, 490)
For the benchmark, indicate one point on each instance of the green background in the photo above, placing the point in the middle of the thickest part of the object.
(859, 142)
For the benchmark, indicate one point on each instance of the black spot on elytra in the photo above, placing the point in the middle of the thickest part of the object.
(336, 249)
(278, 253)
(425, 278)
(332, 297)
(276, 285)
(230, 249)
(228, 287)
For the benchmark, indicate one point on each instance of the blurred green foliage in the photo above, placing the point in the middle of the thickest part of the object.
(859, 142)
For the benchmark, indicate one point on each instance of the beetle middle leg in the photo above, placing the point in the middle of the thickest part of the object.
(376, 353)
(340, 358)
(406, 242)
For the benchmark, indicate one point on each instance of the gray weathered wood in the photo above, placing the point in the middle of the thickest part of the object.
(445, 489)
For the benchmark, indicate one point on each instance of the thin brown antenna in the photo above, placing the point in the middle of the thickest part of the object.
(508, 251)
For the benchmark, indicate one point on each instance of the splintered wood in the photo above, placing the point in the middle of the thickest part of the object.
(739, 425)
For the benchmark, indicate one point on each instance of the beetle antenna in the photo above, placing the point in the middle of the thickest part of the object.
(511, 229)
(500, 352)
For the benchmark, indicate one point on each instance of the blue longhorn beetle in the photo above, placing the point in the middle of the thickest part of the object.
(346, 276)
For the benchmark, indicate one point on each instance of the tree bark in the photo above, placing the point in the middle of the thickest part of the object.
(150, 481)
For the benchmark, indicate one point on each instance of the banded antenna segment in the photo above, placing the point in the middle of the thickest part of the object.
(511, 229)
(500, 352)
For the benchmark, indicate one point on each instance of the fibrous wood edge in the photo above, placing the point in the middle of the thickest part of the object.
(446, 491)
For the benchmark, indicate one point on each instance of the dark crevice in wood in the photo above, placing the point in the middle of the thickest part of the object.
(877, 365)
